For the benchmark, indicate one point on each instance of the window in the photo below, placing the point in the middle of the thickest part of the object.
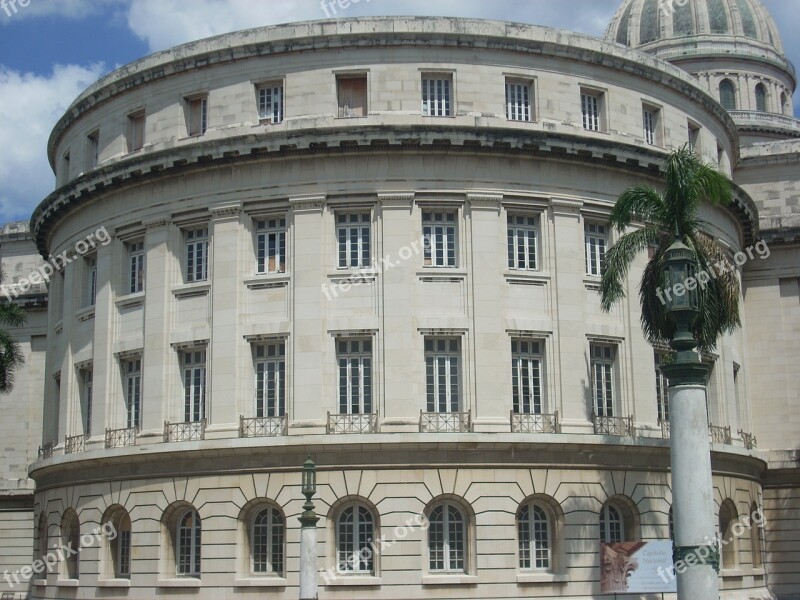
(720, 154)
(437, 95)
(194, 386)
(91, 280)
(136, 267)
(120, 547)
(439, 230)
(270, 102)
(41, 539)
(662, 386)
(761, 98)
(132, 370)
(355, 532)
(694, 137)
(447, 539)
(271, 245)
(135, 131)
(71, 538)
(591, 110)
(612, 526)
(197, 115)
(786, 105)
(519, 104)
(355, 376)
(522, 233)
(595, 238)
(534, 536)
(266, 542)
(756, 541)
(351, 92)
(196, 254)
(187, 549)
(353, 239)
(526, 376)
(727, 94)
(270, 365)
(65, 166)
(86, 400)
(603, 379)
(92, 150)
(443, 383)
(728, 517)
(650, 124)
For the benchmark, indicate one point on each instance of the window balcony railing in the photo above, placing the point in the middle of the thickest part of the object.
(262, 426)
(46, 451)
(621, 426)
(347, 423)
(453, 422)
(190, 431)
(534, 423)
(74, 443)
(748, 439)
(118, 438)
(719, 434)
(664, 427)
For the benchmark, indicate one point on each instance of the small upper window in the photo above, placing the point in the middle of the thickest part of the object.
(727, 94)
(437, 98)
(694, 136)
(591, 110)
(270, 102)
(197, 115)
(519, 100)
(135, 132)
(352, 95)
(650, 124)
(92, 150)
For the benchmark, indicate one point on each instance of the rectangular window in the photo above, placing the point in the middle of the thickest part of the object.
(526, 376)
(694, 136)
(197, 115)
(522, 242)
(351, 92)
(64, 172)
(595, 237)
(650, 124)
(136, 267)
(591, 105)
(135, 132)
(437, 95)
(439, 229)
(353, 239)
(271, 245)
(91, 280)
(519, 104)
(603, 379)
(124, 553)
(194, 386)
(92, 150)
(662, 387)
(133, 392)
(270, 366)
(86, 400)
(270, 103)
(442, 377)
(355, 376)
(196, 254)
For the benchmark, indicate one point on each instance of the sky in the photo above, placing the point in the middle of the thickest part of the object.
(50, 50)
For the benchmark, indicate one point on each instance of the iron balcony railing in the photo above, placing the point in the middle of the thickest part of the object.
(117, 438)
(719, 434)
(534, 422)
(621, 426)
(262, 426)
(664, 427)
(46, 451)
(347, 423)
(451, 422)
(74, 443)
(189, 431)
(748, 439)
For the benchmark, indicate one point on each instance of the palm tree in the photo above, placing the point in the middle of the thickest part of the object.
(666, 216)
(11, 358)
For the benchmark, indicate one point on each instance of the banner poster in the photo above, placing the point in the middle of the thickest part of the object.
(637, 568)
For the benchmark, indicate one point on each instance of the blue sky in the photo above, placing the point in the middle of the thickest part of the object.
(50, 50)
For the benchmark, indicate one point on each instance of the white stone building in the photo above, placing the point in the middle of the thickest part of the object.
(263, 294)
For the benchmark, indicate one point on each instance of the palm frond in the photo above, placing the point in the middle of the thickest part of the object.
(11, 358)
(618, 260)
(640, 202)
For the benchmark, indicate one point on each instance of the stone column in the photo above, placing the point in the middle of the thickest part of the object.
(308, 560)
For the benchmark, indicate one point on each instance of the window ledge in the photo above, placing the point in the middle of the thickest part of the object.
(262, 122)
(592, 282)
(343, 580)
(455, 579)
(68, 583)
(199, 288)
(130, 300)
(86, 313)
(527, 277)
(114, 583)
(267, 280)
(179, 582)
(355, 276)
(542, 578)
(732, 573)
(260, 582)
(442, 274)
(39, 582)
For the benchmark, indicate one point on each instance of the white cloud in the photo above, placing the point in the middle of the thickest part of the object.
(29, 107)
(13, 10)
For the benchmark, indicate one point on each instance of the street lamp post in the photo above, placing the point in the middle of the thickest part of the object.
(695, 553)
(308, 534)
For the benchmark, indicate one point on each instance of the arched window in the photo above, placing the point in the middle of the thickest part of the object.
(727, 94)
(535, 534)
(187, 548)
(761, 98)
(71, 538)
(727, 519)
(266, 542)
(355, 532)
(756, 538)
(786, 106)
(612, 527)
(447, 538)
(41, 539)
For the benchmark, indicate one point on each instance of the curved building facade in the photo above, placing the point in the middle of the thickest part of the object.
(378, 242)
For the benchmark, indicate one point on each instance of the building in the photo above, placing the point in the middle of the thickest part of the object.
(258, 290)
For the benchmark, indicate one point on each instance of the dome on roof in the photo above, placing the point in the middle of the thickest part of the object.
(644, 22)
